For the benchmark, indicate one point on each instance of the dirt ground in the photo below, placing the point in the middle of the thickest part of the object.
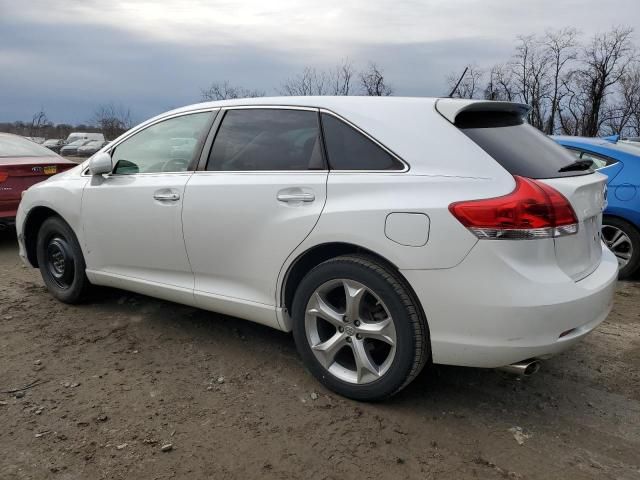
(125, 375)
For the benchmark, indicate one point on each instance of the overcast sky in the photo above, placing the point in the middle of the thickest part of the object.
(67, 56)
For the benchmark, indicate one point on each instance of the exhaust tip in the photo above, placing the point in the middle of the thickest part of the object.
(525, 368)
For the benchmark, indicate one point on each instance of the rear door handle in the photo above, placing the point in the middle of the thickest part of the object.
(167, 197)
(296, 197)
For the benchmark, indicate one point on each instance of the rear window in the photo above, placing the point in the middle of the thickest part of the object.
(520, 148)
(14, 146)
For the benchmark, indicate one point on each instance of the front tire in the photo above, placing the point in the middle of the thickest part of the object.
(61, 261)
(623, 239)
(359, 329)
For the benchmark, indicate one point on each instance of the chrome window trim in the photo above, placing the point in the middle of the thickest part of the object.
(374, 140)
(143, 126)
(271, 107)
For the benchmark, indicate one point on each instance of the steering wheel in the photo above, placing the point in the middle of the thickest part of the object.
(175, 165)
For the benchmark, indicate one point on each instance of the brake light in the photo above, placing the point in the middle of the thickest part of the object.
(3, 176)
(532, 210)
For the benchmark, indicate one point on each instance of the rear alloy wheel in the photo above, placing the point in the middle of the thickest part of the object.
(624, 241)
(358, 328)
(61, 261)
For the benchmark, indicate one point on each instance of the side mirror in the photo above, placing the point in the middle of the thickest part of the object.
(100, 163)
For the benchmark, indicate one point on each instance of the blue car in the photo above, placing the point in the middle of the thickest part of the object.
(620, 161)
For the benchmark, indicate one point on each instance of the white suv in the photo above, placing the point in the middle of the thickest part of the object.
(385, 232)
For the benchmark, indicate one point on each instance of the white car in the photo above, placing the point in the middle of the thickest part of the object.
(385, 232)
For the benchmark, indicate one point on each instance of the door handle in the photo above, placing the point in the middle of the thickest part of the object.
(166, 197)
(296, 197)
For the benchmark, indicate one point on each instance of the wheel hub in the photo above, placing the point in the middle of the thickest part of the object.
(59, 261)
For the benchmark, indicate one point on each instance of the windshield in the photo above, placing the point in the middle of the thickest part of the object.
(14, 146)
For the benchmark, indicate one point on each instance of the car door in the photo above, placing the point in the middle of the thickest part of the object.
(260, 193)
(132, 217)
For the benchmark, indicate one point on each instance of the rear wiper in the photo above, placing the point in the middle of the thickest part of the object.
(577, 165)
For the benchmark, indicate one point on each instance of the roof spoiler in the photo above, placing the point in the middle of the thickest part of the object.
(450, 108)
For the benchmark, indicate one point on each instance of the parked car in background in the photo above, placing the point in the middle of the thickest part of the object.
(90, 148)
(83, 136)
(23, 164)
(385, 232)
(54, 144)
(620, 162)
(71, 149)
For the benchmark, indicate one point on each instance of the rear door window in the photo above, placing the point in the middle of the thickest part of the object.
(254, 139)
(520, 148)
(348, 149)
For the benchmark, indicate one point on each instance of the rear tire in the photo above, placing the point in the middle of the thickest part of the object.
(628, 243)
(61, 261)
(359, 329)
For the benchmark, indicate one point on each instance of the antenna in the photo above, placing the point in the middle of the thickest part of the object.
(459, 80)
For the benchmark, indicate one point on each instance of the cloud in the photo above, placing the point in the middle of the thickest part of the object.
(69, 56)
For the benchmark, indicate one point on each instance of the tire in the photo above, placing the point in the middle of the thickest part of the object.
(630, 245)
(379, 320)
(61, 261)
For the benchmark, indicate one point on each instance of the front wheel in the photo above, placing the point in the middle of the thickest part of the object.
(623, 239)
(358, 328)
(61, 261)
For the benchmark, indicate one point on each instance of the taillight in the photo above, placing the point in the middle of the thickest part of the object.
(532, 210)
(3, 176)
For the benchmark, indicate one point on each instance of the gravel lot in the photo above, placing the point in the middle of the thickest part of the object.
(126, 375)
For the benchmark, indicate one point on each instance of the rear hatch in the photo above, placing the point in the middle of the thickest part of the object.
(499, 129)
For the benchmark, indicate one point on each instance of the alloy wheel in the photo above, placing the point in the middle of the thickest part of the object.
(619, 243)
(350, 331)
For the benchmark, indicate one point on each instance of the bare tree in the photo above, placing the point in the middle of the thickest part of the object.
(606, 60)
(224, 90)
(309, 82)
(560, 49)
(468, 86)
(624, 114)
(39, 122)
(373, 83)
(500, 84)
(113, 120)
(531, 78)
(341, 77)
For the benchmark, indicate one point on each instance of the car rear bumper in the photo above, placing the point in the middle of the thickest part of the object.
(492, 310)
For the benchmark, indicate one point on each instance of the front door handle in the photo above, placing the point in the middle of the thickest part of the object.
(296, 197)
(167, 197)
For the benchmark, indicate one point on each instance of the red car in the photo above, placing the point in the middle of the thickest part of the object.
(22, 164)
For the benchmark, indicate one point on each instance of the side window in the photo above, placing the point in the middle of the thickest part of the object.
(348, 149)
(267, 139)
(168, 146)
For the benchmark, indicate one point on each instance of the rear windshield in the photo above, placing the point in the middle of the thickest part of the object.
(14, 146)
(520, 148)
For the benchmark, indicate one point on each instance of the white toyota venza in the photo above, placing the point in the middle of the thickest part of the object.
(386, 233)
